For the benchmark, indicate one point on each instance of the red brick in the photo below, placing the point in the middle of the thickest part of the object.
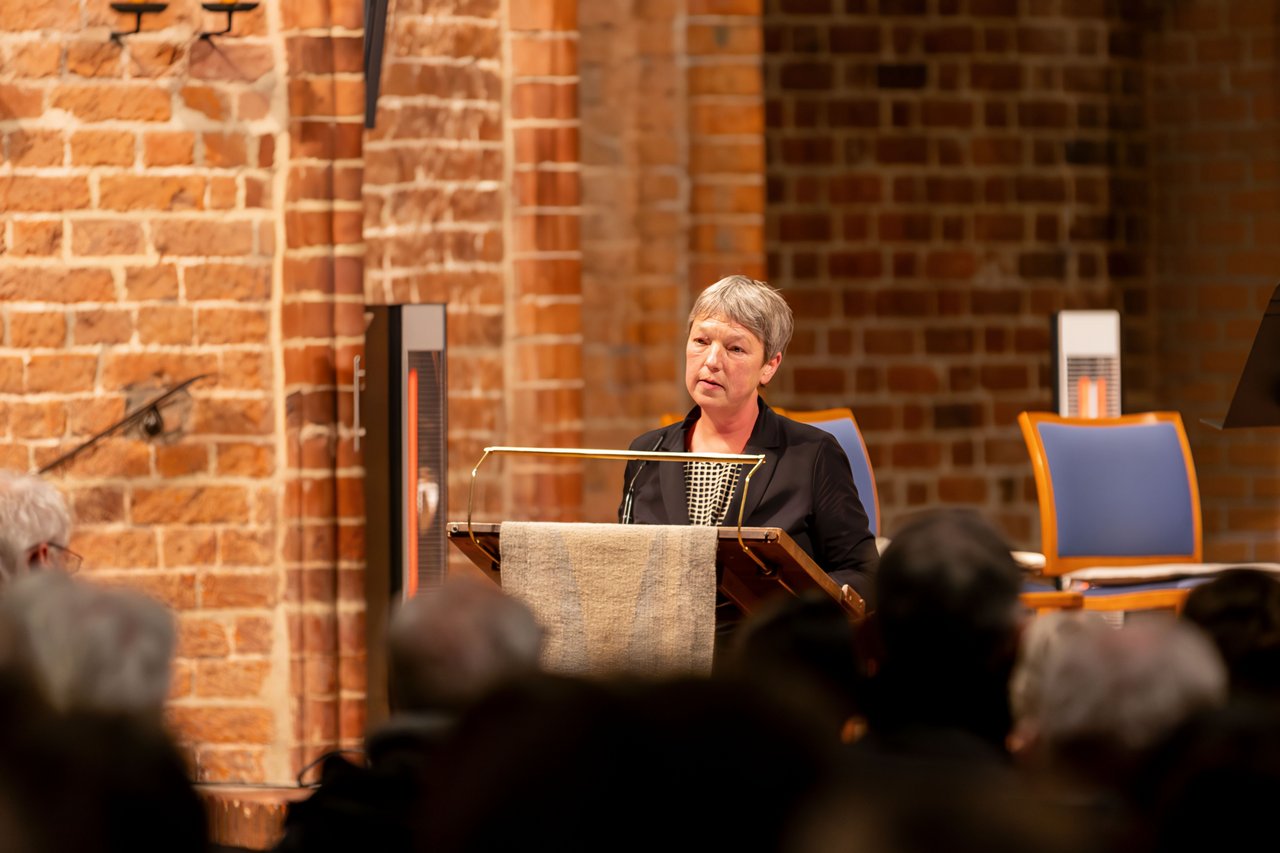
(230, 61)
(28, 330)
(205, 100)
(34, 58)
(106, 237)
(228, 281)
(155, 59)
(37, 420)
(227, 326)
(103, 148)
(36, 237)
(202, 637)
(190, 505)
(35, 148)
(102, 326)
(165, 324)
(200, 237)
(235, 678)
(168, 149)
(20, 102)
(105, 103)
(159, 282)
(199, 724)
(94, 59)
(544, 100)
(245, 460)
(238, 589)
(253, 635)
(146, 192)
(116, 549)
(42, 284)
(190, 548)
(21, 193)
(224, 149)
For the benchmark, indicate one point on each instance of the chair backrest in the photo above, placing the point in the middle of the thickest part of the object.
(841, 424)
(1113, 491)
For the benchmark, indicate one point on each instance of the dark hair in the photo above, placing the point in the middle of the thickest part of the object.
(948, 621)
(1240, 611)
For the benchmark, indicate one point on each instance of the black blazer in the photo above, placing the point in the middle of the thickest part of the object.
(804, 487)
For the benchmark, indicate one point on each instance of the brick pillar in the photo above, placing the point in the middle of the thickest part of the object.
(726, 140)
(544, 291)
(322, 328)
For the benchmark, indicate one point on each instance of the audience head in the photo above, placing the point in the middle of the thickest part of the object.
(1240, 611)
(86, 646)
(572, 763)
(801, 647)
(450, 644)
(751, 304)
(948, 620)
(1213, 783)
(1105, 695)
(35, 525)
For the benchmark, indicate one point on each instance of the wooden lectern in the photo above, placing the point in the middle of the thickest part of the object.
(783, 567)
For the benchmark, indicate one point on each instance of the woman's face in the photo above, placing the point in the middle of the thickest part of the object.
(724, 364)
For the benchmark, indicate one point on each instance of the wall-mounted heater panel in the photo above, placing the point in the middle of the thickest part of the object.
(1087, 364)
(402, 428)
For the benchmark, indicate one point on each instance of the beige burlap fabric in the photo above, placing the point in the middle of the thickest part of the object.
(616, 598)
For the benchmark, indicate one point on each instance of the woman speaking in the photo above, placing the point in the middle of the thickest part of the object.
(738, 331)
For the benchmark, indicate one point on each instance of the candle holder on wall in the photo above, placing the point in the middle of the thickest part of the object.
(231, 9)
(137, 10)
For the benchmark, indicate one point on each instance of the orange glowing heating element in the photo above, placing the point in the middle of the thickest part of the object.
(411, 478)
(1091, 397)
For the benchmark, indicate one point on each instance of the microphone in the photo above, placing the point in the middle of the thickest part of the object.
(627, 508)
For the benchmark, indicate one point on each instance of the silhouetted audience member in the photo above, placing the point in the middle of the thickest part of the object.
(1212, 784)
(944, 808)
(1040, 643)
(90, 782)
(448, 647)
(556, 763)
(948, 625)
(802, 648)
(87, 646)
(1240, 611)
(35, 526)
(1099, 699)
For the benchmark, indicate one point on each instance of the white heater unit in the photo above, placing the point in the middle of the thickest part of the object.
(1087, 358)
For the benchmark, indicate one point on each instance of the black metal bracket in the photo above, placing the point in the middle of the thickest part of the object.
(148, 415)
(230, 9)
(137, 10)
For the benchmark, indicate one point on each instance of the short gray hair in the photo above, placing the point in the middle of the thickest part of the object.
(750, 303)
(450, 644)
(1125, 687)
(87, 646)
(32, 511)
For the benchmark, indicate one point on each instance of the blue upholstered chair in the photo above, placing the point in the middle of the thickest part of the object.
(1119, 507)
(841, 424)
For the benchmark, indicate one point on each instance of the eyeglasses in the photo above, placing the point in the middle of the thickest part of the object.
(55, 556)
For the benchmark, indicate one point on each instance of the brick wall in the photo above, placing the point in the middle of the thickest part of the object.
(138, 189)
(1216, 203)
(941, 177)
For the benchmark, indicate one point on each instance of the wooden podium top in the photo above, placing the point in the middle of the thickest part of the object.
(787, 567)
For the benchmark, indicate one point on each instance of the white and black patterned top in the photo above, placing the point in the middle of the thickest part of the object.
(709, 488)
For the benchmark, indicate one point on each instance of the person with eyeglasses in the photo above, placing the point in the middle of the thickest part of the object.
(35, 526)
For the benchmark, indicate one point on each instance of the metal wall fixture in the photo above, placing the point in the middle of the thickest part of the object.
(137, 10)
(231, 9)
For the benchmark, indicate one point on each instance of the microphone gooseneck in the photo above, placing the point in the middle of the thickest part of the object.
(628, 507)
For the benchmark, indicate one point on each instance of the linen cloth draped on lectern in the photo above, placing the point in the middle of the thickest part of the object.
(636, 598)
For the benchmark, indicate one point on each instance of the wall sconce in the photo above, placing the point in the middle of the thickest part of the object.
(230, 9)
(137, 10)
